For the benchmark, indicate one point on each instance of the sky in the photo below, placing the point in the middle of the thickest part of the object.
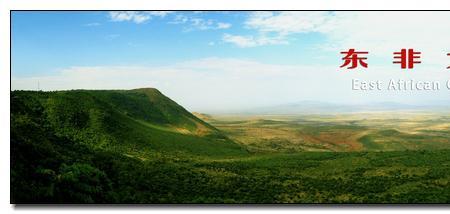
(212, 61)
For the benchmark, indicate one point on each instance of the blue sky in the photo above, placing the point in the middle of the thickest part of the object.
(227, 60)
(44, 42)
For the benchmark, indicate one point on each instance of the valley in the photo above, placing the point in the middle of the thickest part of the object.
(139, 146)
(367, 131)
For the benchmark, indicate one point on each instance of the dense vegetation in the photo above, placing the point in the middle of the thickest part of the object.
(124, 147)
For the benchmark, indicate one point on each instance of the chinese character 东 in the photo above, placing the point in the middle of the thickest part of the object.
(407, 58)
(448, 66)
(351, 57)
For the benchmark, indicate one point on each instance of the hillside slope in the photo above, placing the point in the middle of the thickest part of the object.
(138, 122)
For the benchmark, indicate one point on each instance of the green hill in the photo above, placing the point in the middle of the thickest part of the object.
(138, 122)
(86, 146)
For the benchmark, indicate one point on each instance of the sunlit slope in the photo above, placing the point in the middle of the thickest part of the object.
(138, 122)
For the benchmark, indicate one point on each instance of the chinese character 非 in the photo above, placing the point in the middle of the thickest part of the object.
(407, 58)
(351, 56)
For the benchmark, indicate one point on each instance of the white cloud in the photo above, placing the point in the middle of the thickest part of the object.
(226, 83)
(179, 19)
(196, 23)
(380, 33)
(222, 25)
(201, 24)
(159, 13)
(250, 41)
(285, 23)
(192, 23)
(275, 27)
(137, 17)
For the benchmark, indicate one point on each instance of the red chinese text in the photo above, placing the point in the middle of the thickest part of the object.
(407, 58)
(352, 59)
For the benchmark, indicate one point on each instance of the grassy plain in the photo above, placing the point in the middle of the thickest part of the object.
(365, 131)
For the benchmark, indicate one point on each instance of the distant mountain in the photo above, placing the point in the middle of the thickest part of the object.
(316, 107)
(133, 122)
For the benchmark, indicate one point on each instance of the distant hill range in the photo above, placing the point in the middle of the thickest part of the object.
(315, 107)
